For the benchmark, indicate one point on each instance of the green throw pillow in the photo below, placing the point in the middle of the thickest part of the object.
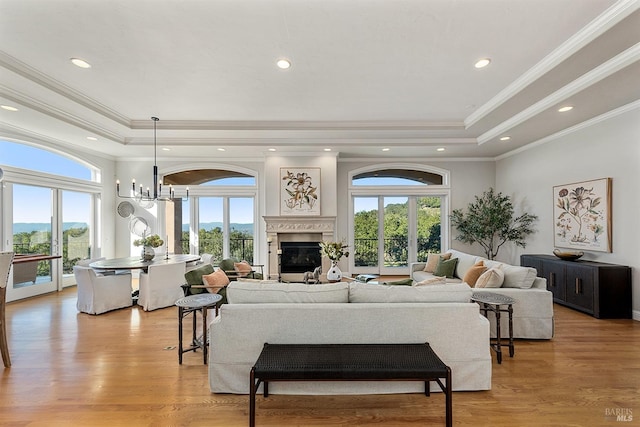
(446, 267)
(227, 264)
(194, 277)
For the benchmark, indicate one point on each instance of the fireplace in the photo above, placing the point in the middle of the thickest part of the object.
(299, 257)
(285, 233)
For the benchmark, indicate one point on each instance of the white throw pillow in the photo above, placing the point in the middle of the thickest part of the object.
(492, 278)
(432, 281)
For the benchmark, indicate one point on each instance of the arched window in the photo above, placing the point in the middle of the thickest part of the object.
(220, 216)
(399, 216)
(37, 159)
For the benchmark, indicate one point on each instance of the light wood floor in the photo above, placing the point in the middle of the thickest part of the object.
(121, 369)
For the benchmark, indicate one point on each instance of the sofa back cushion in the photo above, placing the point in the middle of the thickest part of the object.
(257, 293)
(465, 262)
(366, 293)
(515, 276)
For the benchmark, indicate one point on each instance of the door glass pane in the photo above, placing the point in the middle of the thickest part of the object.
(242, 228)
(210, 226)
(429, 236)
(32, 220)
(365, 231)
(396, 231)
(185, 209)
(76, 236)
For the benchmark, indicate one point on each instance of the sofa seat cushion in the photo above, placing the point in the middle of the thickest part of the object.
(366, 293)
(257, 293)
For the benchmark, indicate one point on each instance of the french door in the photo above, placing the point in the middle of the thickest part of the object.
(390, 232)
(46, 221)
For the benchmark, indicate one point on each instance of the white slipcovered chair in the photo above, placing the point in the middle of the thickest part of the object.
(98, 294)
(161, 286)
(6, 258)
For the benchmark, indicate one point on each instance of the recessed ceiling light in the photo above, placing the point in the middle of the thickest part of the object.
(482, 63)
(505, 138)
(440, 149)
(80, 63)
(272, 149)
(221, 149)
(283, 63)
(386, 149)
(565, 108)
(92, 138)
(8, 108)
(327, 149)
(166, 149)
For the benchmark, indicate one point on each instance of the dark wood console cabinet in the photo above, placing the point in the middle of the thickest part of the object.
(602, 290)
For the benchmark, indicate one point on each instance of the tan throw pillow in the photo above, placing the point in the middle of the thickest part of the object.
(242, 268)
(472, 275)
(432, 261)
(432, 281)
(218, 279)
(492, 278)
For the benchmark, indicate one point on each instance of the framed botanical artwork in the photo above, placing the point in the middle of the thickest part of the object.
(299, 191)
(582, 215)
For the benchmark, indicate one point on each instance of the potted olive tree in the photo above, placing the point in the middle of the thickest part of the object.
(490, 222)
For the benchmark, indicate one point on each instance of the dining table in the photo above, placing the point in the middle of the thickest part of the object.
(137, 263)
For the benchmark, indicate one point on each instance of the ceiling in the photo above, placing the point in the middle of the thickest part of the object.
(365, 74)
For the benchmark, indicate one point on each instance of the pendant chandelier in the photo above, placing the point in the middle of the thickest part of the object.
(148, 196)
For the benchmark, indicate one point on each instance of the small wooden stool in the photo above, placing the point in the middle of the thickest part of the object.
(191, 305)
(490, 301)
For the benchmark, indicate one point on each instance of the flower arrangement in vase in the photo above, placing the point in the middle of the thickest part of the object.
(148, 243)
(334, 251)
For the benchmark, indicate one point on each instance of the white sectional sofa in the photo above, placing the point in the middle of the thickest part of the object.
(533, 309)
(295, 313)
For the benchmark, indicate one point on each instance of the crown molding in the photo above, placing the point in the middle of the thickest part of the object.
(580, 126)
(594, 29)
(382, 125)
(10, 63)
(25, 136)
(58, 114)
(297, 140)
(602, 71)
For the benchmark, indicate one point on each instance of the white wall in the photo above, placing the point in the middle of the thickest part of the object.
(610, 148)
(328, 184)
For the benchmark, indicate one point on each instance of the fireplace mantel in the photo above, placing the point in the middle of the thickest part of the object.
(300, 224)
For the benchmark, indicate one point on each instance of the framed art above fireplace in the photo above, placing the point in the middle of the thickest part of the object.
(299, 191)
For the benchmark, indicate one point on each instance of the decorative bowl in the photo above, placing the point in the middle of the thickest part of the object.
(568, 255)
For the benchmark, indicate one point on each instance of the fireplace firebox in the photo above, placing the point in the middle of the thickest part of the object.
(299, 257)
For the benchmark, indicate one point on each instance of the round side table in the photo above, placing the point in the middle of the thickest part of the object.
(192, 305)
(490, 301)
